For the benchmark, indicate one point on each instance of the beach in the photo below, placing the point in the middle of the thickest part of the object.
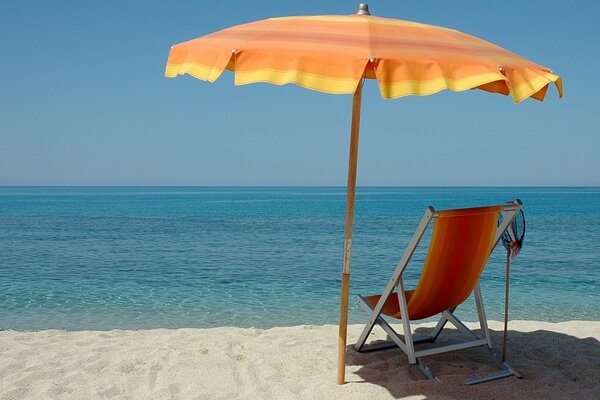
(557, 361)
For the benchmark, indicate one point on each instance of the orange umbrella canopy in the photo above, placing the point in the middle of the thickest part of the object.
(331, 53)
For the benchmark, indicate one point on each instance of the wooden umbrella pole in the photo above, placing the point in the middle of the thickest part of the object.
(351, 190)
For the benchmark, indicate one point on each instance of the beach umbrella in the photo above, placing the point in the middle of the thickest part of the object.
(336, 53)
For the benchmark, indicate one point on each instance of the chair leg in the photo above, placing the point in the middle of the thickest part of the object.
(440, 326)
(426, 371)
(362, 339)
(482, 316)
(460, 325)
(503, 373)
(360, 343)
(394, 338)
(408, 340)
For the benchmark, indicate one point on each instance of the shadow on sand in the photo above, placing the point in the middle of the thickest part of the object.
(553, 365)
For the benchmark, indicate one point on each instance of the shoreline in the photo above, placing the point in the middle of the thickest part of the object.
(557, 360)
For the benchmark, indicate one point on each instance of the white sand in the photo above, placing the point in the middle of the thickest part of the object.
(558, 361)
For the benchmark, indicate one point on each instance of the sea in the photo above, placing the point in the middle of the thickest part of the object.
(101, 258)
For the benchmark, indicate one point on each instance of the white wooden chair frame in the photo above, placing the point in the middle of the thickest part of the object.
(408, 344)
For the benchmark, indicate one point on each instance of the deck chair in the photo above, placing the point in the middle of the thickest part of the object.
(461, 243)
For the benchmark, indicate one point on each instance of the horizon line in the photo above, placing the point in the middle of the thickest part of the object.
(299, 186)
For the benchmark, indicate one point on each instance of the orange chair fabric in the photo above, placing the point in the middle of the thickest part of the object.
(331, 53)
(460, 246)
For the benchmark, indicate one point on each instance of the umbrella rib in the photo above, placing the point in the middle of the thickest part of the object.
(261, 35)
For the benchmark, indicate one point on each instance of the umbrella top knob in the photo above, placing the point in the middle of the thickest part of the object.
(363, 9)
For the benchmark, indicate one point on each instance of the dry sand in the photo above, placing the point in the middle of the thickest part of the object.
(557, 361)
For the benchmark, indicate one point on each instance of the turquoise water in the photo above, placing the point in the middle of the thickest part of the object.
(142, 257)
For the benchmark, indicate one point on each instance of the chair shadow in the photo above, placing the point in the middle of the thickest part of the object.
(553, 366)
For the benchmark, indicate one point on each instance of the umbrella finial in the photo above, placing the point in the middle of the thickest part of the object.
(363, 9)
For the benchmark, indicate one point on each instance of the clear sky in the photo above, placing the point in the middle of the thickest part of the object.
(84, 101)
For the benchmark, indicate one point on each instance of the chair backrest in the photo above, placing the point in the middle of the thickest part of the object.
(461, 243)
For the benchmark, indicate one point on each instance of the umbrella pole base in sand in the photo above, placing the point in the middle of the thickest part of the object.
(343, 330)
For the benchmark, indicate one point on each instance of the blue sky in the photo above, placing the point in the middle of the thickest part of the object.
(84, 102)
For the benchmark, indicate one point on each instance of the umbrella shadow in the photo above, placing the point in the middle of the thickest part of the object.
(553, 365)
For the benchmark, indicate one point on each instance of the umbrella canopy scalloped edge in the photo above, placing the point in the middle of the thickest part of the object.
(332, 54)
